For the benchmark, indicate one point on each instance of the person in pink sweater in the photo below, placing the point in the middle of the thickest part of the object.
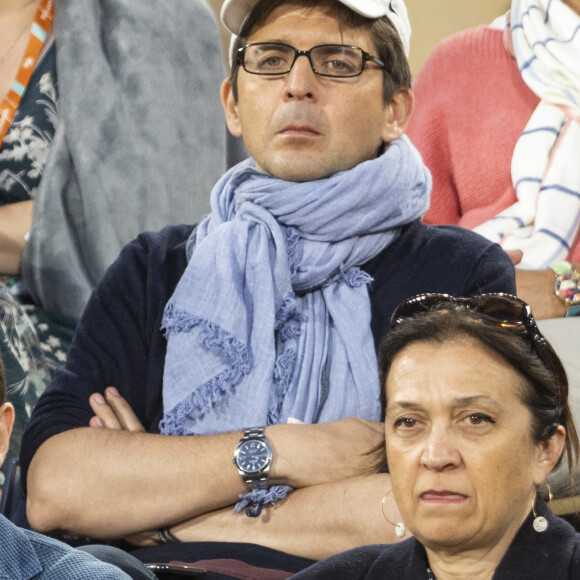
(482, 92)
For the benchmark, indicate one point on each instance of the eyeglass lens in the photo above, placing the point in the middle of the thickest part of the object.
(333, 60)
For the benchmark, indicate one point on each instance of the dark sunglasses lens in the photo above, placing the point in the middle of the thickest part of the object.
(501, 308)
(417, 305)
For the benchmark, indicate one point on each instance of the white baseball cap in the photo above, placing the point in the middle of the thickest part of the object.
(235, 12)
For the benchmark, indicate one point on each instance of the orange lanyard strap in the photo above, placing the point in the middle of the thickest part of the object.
(38, 34)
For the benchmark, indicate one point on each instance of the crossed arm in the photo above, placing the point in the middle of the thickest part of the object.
(113, 480)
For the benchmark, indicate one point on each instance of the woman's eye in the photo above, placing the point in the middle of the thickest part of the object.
(479, 419)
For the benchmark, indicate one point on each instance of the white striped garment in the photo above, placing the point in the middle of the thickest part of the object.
(545, 40)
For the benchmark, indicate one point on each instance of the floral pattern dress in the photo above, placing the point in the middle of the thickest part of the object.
(31, 348)
(25, 147)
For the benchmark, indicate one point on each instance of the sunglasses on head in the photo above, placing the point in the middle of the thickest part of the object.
(502, 309)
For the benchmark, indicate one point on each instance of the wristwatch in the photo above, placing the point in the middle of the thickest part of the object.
(567, 287)
(253, 458)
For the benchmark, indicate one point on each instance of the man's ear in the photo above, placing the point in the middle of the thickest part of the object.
(549, 452)
(230, 108)
(398, 114)
(6, 422)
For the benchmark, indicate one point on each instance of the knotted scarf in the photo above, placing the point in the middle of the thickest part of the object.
(271, 318)
(544, 37)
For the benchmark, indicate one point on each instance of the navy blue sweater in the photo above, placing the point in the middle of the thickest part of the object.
(119, 342)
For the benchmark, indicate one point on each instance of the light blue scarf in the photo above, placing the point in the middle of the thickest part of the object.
(271, 318)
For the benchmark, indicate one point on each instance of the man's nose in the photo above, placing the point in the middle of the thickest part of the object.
(301, 82)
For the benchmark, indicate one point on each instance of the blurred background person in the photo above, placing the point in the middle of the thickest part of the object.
(117, 131)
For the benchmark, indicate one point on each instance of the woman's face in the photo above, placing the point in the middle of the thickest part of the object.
(463, 463)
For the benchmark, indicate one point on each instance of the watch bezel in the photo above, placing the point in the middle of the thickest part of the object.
(255, 479)
(265, 455)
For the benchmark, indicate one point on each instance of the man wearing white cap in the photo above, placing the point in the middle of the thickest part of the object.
(253, 334)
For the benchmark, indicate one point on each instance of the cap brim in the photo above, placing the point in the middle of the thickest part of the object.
(367, 8)
(234, 12)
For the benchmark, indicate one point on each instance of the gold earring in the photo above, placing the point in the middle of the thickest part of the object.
(400, 528)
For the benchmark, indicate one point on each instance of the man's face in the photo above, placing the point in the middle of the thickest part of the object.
(301, 126)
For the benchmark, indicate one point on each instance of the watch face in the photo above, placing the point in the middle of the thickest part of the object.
(253, 456)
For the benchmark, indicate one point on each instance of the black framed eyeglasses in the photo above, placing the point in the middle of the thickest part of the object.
(502, 309)
(327, 60)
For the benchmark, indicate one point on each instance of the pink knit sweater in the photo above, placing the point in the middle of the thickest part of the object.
(471, 106)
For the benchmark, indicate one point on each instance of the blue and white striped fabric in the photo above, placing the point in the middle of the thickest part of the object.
(545, 37)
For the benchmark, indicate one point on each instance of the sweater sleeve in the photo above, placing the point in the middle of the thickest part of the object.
(492, 272)
(118, 343)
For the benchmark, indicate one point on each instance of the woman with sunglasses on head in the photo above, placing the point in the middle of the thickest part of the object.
(476, 418)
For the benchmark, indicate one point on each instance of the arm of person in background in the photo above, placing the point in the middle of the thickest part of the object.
(536, 287)
(312, 522)
(15, 223)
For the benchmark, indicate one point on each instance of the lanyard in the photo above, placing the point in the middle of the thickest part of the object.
(38, 34)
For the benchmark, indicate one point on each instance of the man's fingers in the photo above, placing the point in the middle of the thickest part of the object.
(103, 412)
(96, 423)
(123, 412)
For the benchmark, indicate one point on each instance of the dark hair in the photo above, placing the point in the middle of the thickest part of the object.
(545, 394)
(388, 45)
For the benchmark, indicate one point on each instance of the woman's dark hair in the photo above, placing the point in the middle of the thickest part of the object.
(385, 37)
(544, 393)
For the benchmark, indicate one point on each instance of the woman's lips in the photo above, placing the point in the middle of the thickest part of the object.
(433, 496)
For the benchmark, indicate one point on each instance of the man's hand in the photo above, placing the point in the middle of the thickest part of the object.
(113, 412)
(306, 455)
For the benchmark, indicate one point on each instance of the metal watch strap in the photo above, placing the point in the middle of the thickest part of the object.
(254, 433)
(254, 480)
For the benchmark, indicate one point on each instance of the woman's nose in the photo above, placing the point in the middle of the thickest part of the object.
(440, 451)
